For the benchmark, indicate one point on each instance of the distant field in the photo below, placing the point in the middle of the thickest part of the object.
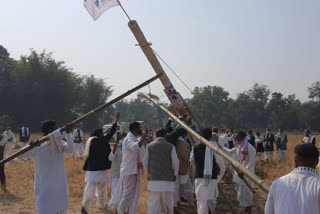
(20, 196)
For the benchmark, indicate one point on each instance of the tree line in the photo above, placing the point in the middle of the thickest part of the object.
(36, 87)
(256, 108)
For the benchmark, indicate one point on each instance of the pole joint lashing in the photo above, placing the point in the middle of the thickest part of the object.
(142, 46)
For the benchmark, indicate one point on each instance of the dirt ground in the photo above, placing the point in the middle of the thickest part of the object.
(19, 197)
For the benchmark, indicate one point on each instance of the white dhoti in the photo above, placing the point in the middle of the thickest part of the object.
(244, 196)
(183, 188)
(77, 149)
(204, 206)
(159, 202)
(206, 195)
(269, 155)
(282, 155)
(126, 194)
(113, 185)
(100, 188)
(192, 176)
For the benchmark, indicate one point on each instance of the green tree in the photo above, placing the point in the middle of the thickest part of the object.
(210, 104)
(93, 93)
(141, 109)
(259, 93)
(6, 80)
(314, 91)
(276, 110)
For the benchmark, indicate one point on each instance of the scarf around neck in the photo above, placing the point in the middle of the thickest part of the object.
(208, 160)
(244, 152)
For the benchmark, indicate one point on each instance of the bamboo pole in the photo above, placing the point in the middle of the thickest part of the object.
(242, 178)
(178, 103)
(258, 181)
(77, 121)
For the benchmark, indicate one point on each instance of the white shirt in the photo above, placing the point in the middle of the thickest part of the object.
(248, 163)
(76, 135)
(116, 159)
(295, 193)
(10, 136)
(307, 139)
(50, 182)
(163, 186)
(3, 140)
(223, 140)
(130, 152)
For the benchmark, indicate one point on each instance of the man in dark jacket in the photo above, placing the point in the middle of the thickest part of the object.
(209, 168)
(281, 143)
(24, 135)
(251, 139)
(268, 139)
(96, 166)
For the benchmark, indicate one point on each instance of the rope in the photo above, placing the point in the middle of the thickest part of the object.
(125, 12)
(172, 71)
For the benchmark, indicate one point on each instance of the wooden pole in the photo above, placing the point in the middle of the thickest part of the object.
(77, 121)
(258, 181)
(242, 178)
(178, 103)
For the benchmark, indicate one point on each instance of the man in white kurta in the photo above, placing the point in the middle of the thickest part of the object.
(50, 182)
(11, 139)
(299, 191)
(128, 189)
(78, 142)
(206, 190)
(223, 139)
(116, 158)
(162, 165)
(308, 138)
(245, 154)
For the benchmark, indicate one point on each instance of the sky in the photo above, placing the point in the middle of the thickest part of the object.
(227, 43)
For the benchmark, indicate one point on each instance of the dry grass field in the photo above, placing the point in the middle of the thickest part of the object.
(19, 197)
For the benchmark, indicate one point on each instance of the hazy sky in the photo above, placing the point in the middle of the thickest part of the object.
(228, 43)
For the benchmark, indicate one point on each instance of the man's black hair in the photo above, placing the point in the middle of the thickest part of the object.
(133, 126)
(207, 133)
(161, 133)
(47, 126)
(97, 132)
(241, 134)
(250, 132)
(181, 131)
(306, 154)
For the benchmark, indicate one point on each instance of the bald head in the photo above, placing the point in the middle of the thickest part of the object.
(306, 155)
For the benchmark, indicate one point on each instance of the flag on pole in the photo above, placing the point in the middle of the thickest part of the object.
(97, 7)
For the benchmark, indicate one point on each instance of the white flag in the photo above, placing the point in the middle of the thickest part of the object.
(97, 7)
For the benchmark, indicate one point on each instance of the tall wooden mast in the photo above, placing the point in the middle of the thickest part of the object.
(179, 106)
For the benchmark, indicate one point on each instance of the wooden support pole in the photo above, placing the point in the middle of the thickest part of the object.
(178, 103)
(77, 121)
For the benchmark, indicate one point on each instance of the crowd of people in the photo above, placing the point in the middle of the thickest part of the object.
(179, 168)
